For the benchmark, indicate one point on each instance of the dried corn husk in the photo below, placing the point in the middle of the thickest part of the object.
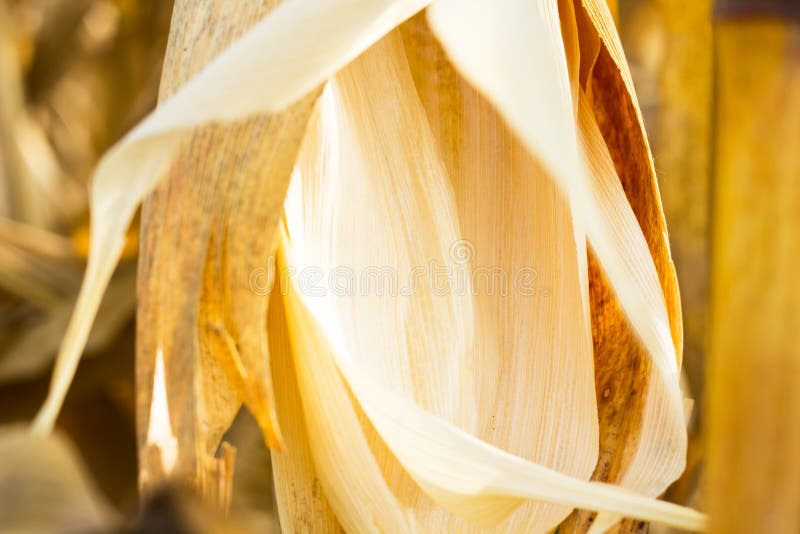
(396, 409)
(306, 244)
(515, 224)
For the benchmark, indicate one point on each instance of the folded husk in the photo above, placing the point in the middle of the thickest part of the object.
(529, 337)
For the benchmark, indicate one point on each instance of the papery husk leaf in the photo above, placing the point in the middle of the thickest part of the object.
(516, 59)
(532, 337)
(615, 239)
(348, 474)
(643, 438)
(258, 73)
(302, 505)
(381, 147)
(452, 466)
(615, 106)
(343, 463)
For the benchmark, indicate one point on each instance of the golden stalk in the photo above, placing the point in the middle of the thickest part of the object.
(753, 452)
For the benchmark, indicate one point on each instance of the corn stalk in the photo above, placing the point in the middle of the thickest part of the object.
(754, 370)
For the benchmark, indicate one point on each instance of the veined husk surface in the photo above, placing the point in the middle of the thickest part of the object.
(481, 142)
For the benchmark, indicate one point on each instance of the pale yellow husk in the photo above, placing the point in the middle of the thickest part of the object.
(315, 221)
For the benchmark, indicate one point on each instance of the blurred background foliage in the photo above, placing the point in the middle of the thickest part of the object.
(76, 74)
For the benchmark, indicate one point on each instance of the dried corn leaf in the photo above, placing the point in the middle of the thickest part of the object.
(28, 171)
(33, 351)
(643, 443)
(614, 236)
(620, 120)
(36, 277)
(382, 150)
(373, 139)
(365, 144)
(36, 241)
(410, 372)
(347, 472)
(456, 469)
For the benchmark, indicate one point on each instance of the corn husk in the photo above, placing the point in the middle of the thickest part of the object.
(410, 402)
(302, 505)
(608, 217)
(393, 416)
